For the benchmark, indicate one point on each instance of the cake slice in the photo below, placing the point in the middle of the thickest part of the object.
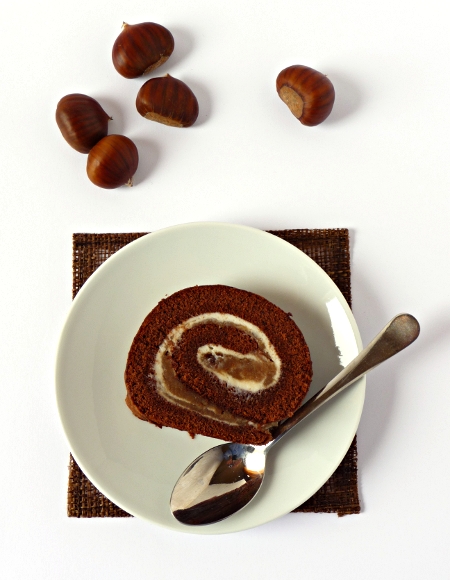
(218, 361)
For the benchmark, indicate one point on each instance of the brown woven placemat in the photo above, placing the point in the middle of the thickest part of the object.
(330, 249)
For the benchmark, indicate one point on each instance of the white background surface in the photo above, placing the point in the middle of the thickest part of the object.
(378, 165)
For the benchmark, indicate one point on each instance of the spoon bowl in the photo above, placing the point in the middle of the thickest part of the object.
(224, 479)
(218, 483)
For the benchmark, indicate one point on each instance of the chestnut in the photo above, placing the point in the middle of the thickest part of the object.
(308, 93)
(140, 48)
(112, 162)
(82, 121)
(169, 101)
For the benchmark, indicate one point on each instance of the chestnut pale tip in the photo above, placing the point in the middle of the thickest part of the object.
(308, 93)
(169, 101)
(140, 48)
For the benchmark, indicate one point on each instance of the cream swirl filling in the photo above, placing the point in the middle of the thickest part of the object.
(248, 373)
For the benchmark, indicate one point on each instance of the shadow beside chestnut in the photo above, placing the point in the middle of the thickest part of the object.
(149, 155)
(112, 108)
(349, 97)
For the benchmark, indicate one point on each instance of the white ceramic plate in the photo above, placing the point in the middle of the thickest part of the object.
(135, 464)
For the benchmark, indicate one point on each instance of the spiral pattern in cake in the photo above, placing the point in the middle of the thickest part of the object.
(218, 361)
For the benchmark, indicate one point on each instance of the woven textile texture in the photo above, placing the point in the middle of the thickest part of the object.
(330, 249)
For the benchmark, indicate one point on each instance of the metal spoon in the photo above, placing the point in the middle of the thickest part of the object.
(224, 479)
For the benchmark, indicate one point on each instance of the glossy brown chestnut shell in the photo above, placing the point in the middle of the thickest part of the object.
(169, 101)
(112, 162)
(140, 48)
(308, 93)
(82, 121)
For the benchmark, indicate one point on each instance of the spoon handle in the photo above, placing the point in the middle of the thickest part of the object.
(399, 333)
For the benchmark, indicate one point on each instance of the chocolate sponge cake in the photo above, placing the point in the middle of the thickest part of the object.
(217, 361)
